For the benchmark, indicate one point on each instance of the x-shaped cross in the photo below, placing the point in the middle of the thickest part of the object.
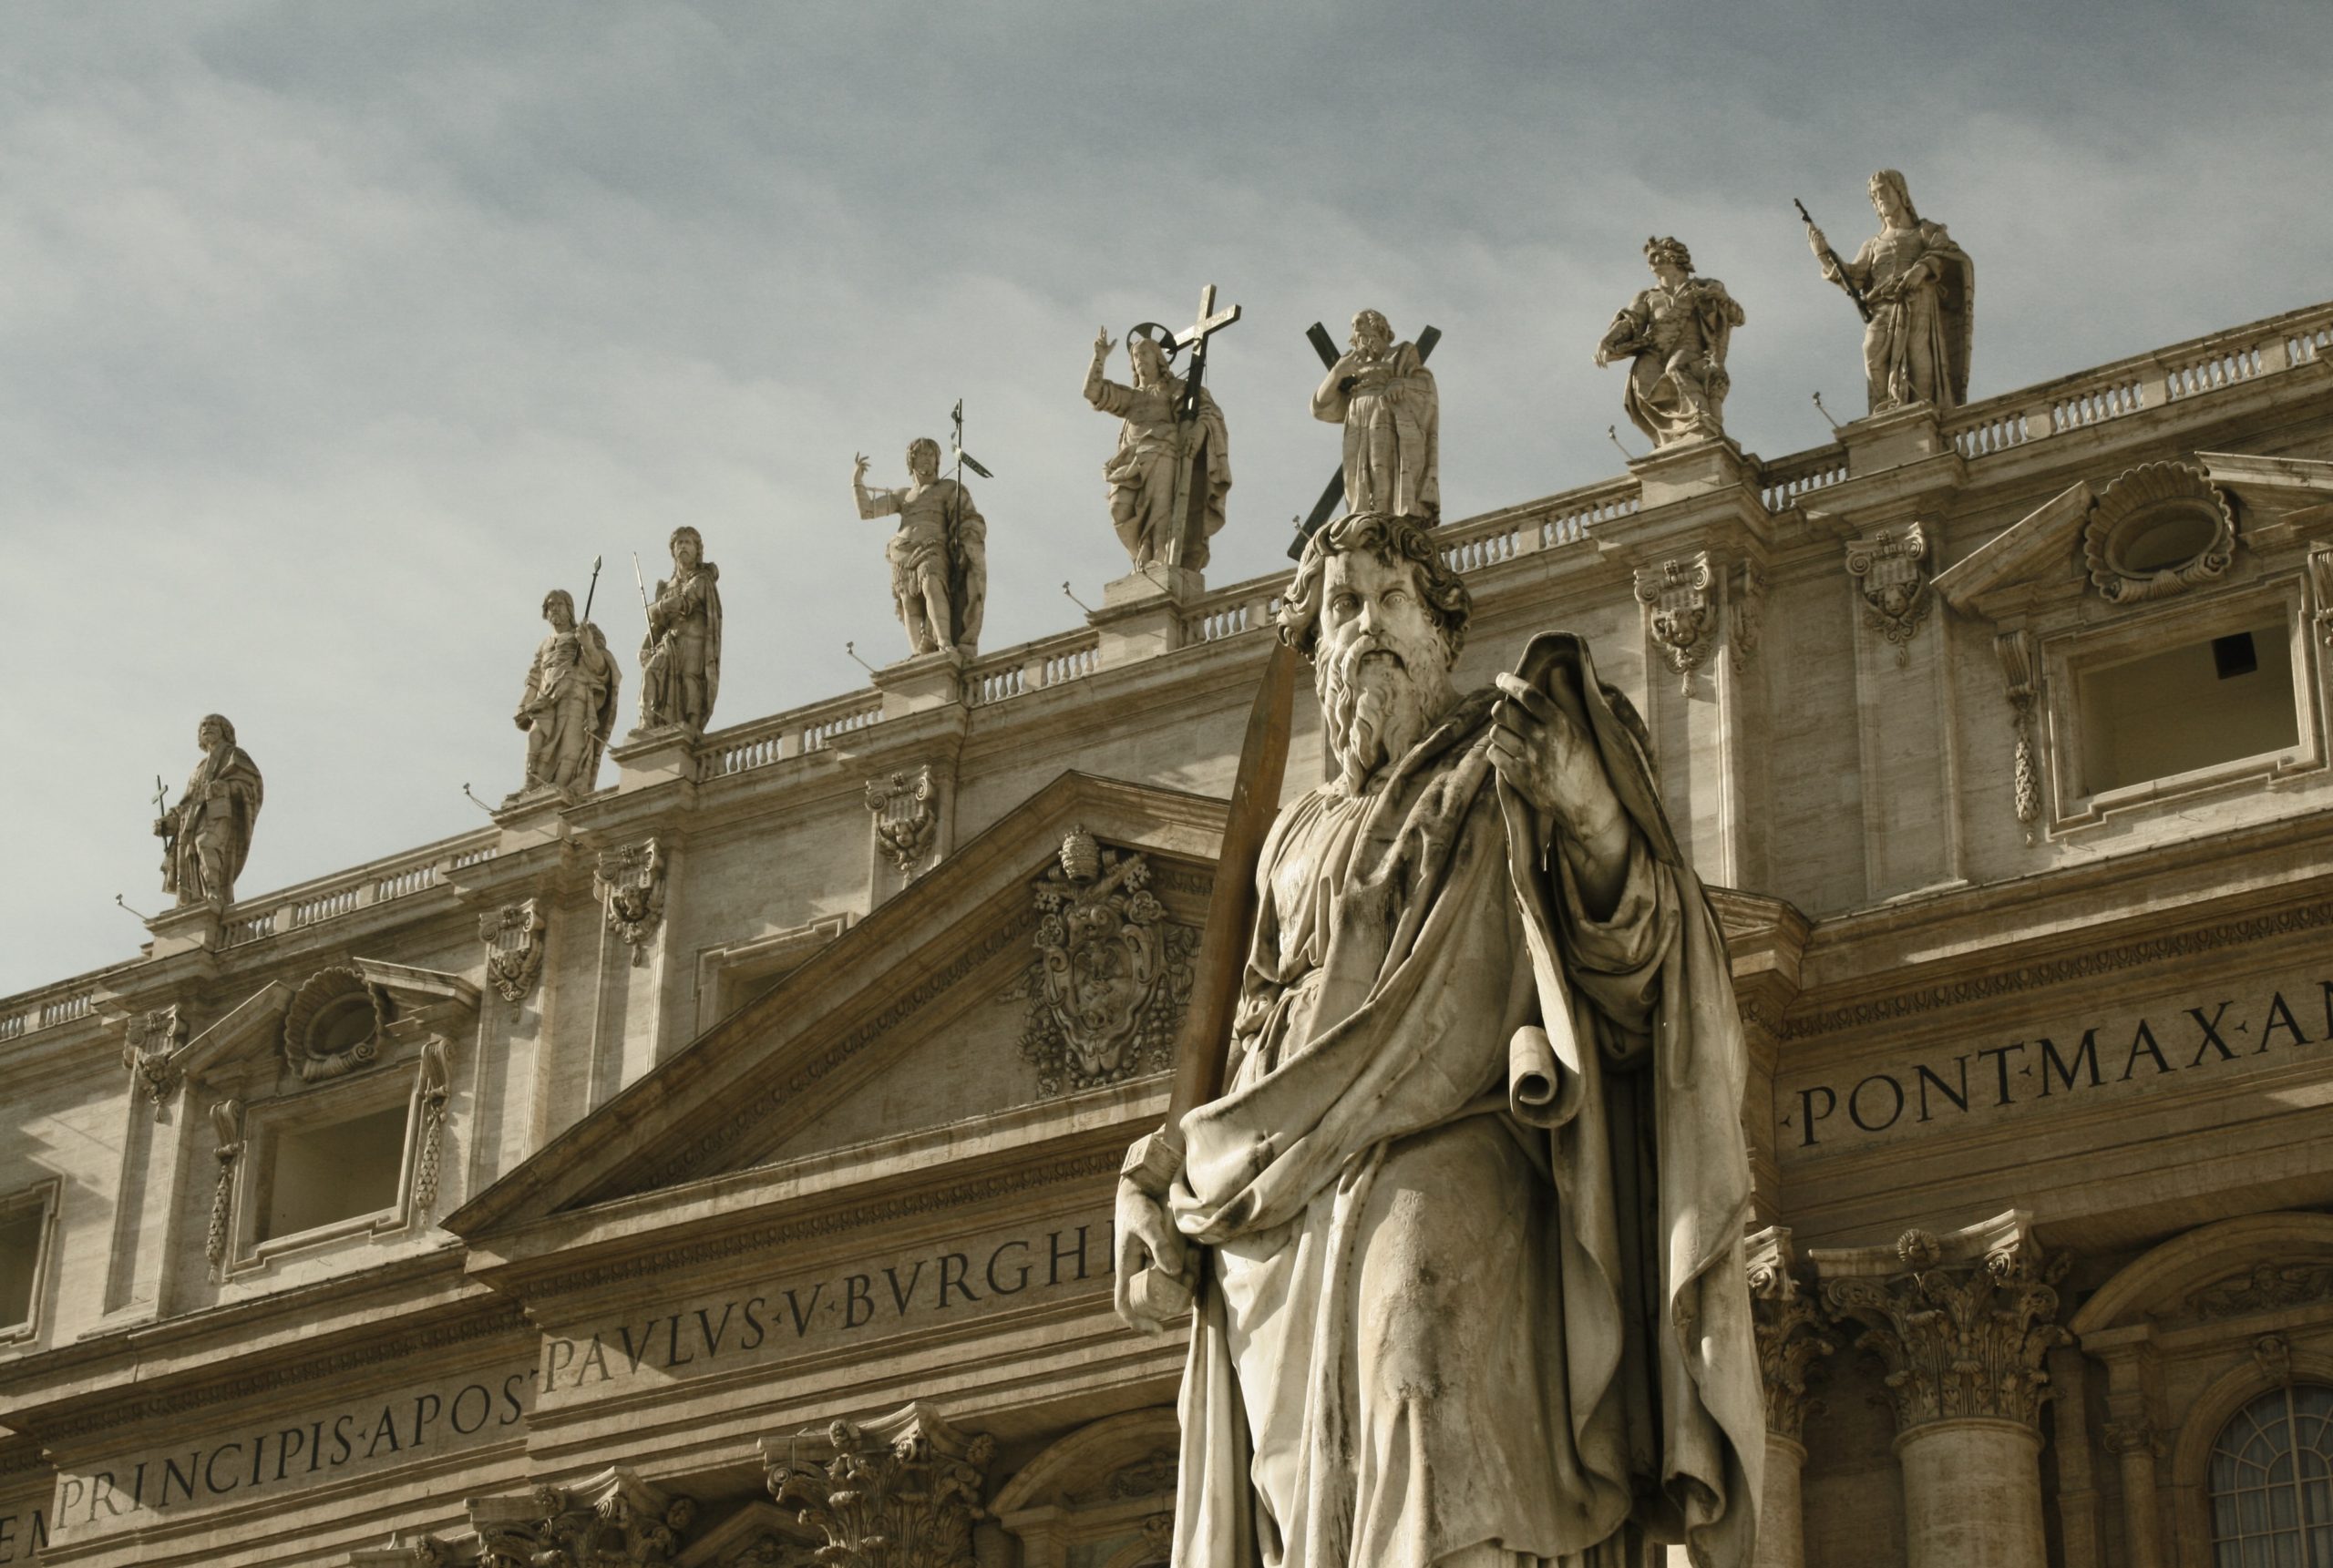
(1326, 507)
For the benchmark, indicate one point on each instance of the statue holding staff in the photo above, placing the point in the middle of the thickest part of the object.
(939, 553)
(680, 658)
(1917, 293)
(207, 837)
(568, 707)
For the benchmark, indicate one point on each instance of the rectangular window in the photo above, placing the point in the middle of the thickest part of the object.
(319, 1175)
(21, 1232)
(2194, 705)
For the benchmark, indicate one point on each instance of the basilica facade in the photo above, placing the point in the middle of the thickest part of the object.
(715, 1166)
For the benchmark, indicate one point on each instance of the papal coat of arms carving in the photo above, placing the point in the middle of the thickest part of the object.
(1111, 975)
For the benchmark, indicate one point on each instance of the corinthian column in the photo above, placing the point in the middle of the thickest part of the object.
(1962, 1323)
(900, 1492)
(1790, 1337)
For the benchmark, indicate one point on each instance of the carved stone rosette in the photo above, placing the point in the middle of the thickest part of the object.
(1789, 1329)
(1112, 977)
(614, 1519)
(630, 883)
(1681, 611)
(514, 948)
(906, 808)
(149, 1043)
(900, 1492)
(227, 1126)
(1959, 1338)
(1890, 569)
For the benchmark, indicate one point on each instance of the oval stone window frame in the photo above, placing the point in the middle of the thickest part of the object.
(333, 1024)
(2159, 528)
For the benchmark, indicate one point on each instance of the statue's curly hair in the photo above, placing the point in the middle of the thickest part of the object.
(226, 726)
(923, 443)
(1668, 248)
(1390, 538)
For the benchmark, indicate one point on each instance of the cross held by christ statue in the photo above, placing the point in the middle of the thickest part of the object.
(1208, 321)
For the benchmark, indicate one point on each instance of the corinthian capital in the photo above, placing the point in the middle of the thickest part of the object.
(1790, 1331)
(1960, 1321)
(900, 1492)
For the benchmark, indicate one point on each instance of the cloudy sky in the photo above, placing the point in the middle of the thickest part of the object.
(331, 335)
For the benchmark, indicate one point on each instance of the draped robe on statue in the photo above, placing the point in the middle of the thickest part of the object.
(1475, 1198)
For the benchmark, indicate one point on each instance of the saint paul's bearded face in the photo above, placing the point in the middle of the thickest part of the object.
(1382, 667)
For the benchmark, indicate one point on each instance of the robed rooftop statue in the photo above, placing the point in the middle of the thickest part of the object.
(1465, 1228)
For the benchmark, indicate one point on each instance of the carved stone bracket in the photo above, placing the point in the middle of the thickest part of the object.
(2015, 651)
(149, 1046)
(630, 883)
(1789, 1329)
(1961, 1324)
(514, 948)
(227, 1126)
(906, 808)
(430, 1096)
(2158, 530)
(1890, 569)
(2273, 1354)
(1680, 610)
(614, 1519)
(1112, 977)
(2132, 1437)
(900, 1492)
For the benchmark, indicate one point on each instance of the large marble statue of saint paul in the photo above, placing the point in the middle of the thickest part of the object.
(1466, 1226)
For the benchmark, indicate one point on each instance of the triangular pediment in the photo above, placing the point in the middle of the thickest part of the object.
(914, 1019)
(2036, 557)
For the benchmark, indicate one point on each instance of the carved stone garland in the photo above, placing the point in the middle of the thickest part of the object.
(907, 818)
(2321, 583)
(900, 1492)
(514, 948)
(148, 1044)
(612, 1520)
(434, 1092)
(227, 1125)
(1744, 614)
(1965, 1340)
(1890, 569)
(630, 882)
(2015, 651)
(1790, 1337)
(1112, 977)
(1681, 611)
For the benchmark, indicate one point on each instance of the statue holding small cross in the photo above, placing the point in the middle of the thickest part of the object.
(1172, 468)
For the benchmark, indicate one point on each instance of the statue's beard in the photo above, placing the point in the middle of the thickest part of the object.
(1376, 700)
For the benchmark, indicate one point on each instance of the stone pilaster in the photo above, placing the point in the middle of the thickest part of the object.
(900, 1492)
(1962, 1323)
(1790, 1337)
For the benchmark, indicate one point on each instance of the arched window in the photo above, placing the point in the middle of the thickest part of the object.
(2271, 1482)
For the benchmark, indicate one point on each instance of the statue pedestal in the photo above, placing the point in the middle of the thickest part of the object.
(919, 684)
(185, 928)
(532, 817)
(1892, 440)
(1142, 613)
(652, 757)
(1691, 469)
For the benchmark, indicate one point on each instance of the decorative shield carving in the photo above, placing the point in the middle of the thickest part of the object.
(1680, 610)
(1112, 975)
(1890, 569)
(630, 882)
(514, 948)
(333, 1024)
(907, 818)
(148, 1044)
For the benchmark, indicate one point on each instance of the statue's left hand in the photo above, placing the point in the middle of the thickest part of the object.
(1544, 756)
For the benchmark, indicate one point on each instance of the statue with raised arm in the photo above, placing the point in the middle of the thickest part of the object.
(680, 658)
(567, 708)
(1169, 475)
(207, 837)
(1674, 337)
(1465, 1228)
(1919, 291)
(939, 553)
(1384, 396)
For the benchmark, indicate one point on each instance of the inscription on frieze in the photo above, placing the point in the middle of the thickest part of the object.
(2058, 1065)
